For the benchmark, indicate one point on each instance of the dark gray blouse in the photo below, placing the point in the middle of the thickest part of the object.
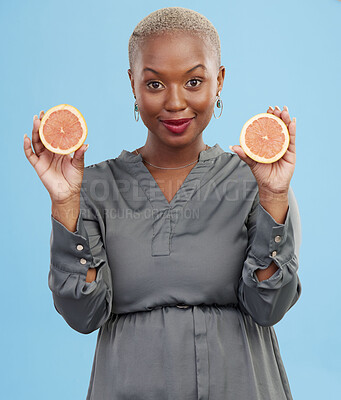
(180, 311)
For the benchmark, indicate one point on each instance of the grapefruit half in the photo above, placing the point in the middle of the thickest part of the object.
(264, 138)
(63, 129)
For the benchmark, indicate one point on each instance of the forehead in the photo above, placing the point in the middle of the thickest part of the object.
(174, 50)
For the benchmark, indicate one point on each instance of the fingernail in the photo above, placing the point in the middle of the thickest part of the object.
(278, 108)
(25, 136)
(294, 120)
(35, 117)
(231, 148)
(86, 147)
(286, 108)
(271, 108)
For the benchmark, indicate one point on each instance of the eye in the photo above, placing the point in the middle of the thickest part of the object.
(154, 84)
(195, 81)
(157, 85)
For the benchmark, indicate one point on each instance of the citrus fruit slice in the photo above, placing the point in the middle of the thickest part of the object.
(264, 138)
(63, 129)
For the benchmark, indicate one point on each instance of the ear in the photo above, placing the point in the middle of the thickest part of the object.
(131, 77)
(220, 78)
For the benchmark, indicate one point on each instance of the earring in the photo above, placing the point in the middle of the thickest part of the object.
(219, 105)
(136, 111)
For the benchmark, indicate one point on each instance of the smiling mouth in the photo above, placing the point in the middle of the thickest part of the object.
(177, 125)
(176, 121)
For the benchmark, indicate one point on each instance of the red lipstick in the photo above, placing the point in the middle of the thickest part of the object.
(177, 125)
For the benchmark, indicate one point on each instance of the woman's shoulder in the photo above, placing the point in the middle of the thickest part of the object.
(106, 170)
(102, 166)
(99, 169)
(234, 165)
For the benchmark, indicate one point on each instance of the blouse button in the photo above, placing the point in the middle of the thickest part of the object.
(80, 247)
(82, 261)
(277, 239)
(274, 253)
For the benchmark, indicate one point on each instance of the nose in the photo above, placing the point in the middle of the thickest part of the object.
(175, 99)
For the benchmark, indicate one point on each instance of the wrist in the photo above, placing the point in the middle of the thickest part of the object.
(276, 204)
(71, 200)
(273, 196)
(67, 213)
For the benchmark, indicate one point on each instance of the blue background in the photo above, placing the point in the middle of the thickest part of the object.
(76, 52)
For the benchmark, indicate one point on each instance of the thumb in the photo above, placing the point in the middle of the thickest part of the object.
(78, 157)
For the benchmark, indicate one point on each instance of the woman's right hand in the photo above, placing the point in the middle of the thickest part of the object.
(61, 174)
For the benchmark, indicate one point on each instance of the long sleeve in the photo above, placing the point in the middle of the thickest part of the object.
(267, 301)
(85, 306)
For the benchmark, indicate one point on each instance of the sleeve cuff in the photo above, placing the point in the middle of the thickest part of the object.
(70, 251)
(273, 241)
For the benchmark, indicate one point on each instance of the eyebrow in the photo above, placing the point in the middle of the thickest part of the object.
(190, 70)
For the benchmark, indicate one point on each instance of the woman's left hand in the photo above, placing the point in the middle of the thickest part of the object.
(275, 177)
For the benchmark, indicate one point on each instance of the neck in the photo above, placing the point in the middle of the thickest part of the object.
(164, 155)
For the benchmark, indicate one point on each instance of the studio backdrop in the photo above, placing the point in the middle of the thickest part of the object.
(76, 52)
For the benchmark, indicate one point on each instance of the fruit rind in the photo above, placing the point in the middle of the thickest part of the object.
(81, 119)
(254, 156)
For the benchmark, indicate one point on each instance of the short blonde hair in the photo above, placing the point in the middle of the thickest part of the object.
(174, 19)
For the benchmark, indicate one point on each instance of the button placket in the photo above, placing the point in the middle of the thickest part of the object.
(161, 233)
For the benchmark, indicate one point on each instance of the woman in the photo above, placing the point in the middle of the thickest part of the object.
(183, 255)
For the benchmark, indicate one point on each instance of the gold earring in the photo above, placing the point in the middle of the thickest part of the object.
(219, 105)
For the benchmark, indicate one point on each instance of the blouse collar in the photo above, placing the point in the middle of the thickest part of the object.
(208, 154)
